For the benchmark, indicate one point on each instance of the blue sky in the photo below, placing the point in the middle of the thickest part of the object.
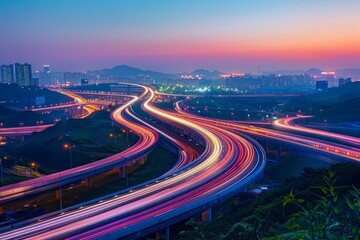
(181, 35)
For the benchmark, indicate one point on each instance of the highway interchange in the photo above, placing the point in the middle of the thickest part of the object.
(230, 162)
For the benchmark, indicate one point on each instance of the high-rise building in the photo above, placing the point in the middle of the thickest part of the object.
(23, 74)
(344, 81)
(46, 68)
(84, 82)
(7, 73)
(330, 78)
(321, 85)
(34, 82)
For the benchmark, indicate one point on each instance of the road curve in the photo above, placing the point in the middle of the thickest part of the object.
(288, 124)
(146, 142)
(230, 162)
(14, 131)
(312, 144)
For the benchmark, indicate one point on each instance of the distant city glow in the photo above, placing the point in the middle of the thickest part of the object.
(179, 36)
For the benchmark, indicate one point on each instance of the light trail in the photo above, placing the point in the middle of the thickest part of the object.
(227, 165)
(146, 142)
(349, 153)
(287, 124)
(89, 108)
(23, 130)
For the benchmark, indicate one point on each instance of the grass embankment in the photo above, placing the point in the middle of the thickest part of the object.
(333, 106)
(92, 142)
(233, 108)
(90, 136)
(158, 162)
(249, 216)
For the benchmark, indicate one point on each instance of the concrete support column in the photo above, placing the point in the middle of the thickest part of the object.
(206, 215)
(163, 234)
(88, 182)
(57, 194)
(122, 172)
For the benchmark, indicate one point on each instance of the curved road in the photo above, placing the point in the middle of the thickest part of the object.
(229, 163)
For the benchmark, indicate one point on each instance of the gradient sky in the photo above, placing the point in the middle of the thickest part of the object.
(181, 35)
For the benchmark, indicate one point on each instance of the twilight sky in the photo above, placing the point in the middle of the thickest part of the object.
(181, 35)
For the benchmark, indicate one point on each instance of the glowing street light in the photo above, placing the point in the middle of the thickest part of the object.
(70, 147)
(111, 135)
(127, 136)
(33, 165)
(2, 173)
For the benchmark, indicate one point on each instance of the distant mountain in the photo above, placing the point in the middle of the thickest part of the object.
(285, 72)
(313, 72)
(207, 74)
(348, 72)
(124, 71)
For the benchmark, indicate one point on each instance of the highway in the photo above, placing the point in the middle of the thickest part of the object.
(228, 164)
(147, 140)
(18, 131)
(288, 124)
(306, 143)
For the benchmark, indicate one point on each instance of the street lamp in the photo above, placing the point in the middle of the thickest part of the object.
(33, 165)
(70, 147)
(127, 136)
(2, 173)
(60, 192)
(248, 118)
(115, 141)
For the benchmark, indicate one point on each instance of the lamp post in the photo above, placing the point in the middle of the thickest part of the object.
(115, 141)
(248, 118)
(60, 192)
(70, 147)
(127, 136)
(2, 173)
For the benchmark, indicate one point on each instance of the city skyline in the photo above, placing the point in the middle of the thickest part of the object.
(181, 36)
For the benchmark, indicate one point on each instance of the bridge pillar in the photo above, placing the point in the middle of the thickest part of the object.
(122, 172)
(206, 215)
(1, 209)
(88, 182)
(163, 234)
(57, 194)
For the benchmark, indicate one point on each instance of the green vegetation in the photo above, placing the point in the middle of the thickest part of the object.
(91, 137)
(335, 105)
(320, 203)
(15, 96)
(235, 108)
(158, 162)
(11, 118)
(291, 166)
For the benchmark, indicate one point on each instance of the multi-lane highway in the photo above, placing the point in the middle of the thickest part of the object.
(147, 140)
(19, 131)
(227, 165)
(330, 149)
(288, 124)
